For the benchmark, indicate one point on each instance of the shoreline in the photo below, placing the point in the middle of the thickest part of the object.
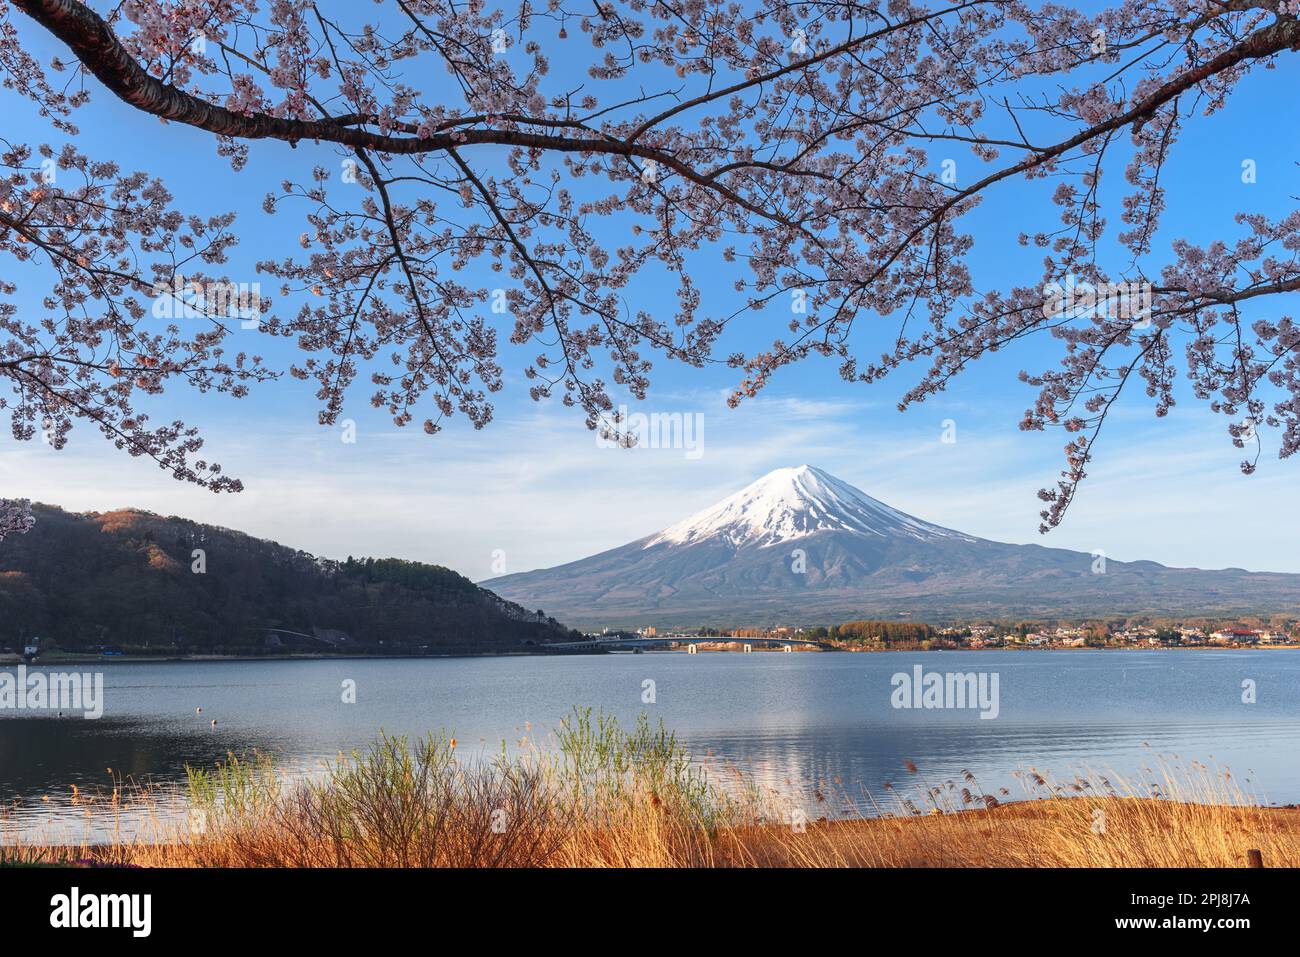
(8, 660)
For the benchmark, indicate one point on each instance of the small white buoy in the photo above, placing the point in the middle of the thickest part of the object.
(198, 710)
(214, 722)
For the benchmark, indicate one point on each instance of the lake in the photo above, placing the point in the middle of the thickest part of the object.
(803, 723)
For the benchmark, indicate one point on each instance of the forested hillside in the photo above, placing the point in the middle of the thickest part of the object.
(151, 584)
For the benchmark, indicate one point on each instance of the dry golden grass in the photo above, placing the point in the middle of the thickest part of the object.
(1057, 832)
(1051, 833)
(614, 798)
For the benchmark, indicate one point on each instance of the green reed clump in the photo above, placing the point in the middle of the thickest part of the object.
(236, 788)
(602, 766)
(389, 806)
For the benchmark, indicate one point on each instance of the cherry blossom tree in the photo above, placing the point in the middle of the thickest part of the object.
(797, 143)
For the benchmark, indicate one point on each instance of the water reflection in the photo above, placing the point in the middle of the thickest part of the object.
(806, 723)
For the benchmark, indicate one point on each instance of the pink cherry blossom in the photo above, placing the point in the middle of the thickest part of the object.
(800, 143)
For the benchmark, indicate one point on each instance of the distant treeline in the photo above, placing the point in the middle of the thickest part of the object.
(146, 583)
(885, 632)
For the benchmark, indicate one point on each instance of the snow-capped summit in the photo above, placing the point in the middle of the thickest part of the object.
(790, 503)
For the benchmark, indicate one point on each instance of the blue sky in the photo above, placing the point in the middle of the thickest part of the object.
(536, 486)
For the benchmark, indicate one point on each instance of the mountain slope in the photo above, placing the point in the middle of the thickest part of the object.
(127, 578)
(801, 546)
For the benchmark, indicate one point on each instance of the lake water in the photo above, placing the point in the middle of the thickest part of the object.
(800, 723)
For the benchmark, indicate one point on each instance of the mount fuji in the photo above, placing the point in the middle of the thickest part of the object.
(800, 546)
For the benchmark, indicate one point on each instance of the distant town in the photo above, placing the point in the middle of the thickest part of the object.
(882, 635)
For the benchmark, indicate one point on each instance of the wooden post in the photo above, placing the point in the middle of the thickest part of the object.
(1254, 858)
